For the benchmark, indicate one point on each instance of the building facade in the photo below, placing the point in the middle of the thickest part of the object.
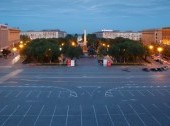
(8, 36)
(45, 34)
(114, 34)
(157, 36)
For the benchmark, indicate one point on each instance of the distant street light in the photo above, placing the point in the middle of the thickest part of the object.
(159, 49)
(60, 48)
(14, 49)
(151, 47)
(73, 43)
(21, 46)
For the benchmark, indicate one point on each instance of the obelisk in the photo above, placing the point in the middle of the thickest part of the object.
(85, 43)
(85, 39)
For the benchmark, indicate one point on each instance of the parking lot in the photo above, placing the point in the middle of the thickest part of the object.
(83, 96)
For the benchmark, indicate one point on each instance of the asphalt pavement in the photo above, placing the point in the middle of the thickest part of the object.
(85, 95)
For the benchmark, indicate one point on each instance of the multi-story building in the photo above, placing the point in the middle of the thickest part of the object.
(8, 36)
(114, 34)
(158, 36)
(45, 34)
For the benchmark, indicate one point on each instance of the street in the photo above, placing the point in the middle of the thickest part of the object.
(85, 95)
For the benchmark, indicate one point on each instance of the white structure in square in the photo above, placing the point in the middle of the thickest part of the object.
(45, 34)
(114, 34)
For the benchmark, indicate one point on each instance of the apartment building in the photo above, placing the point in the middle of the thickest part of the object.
(45, 34)
(8, 36)
(114, 34)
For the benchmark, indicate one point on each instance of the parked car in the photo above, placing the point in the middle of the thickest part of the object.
(146, 69)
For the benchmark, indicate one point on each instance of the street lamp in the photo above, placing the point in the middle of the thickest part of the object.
(151, 47)
(159, 49)
(14, 49)
(21, 46)
(73, 43)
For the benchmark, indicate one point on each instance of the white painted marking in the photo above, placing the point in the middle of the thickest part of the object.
(121, 93)
(18, 94)
(140, 93)
(161, 111)
(150, 92)
(10, 75)
(29, 93)
(137, 115)
(68, 107)
(3, 108)
(81, 115)
(151, 114)
(24, 115)
(89, 89)
(160, 93)
(53, 116)
(131, 93)
(95, 115)
(39, 115)
(59, 94)
(49, 94)
(8, 94)
(165, 104)
(10, 115)
(109, 115)
(38, 95)
(123, 115)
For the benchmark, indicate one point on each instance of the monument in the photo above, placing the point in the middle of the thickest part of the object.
(85, 50)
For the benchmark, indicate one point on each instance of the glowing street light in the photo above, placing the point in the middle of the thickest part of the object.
(151, 47)
(14, 49)
(21, 46)
(159, 49)
(73, 43)
(60, 48)
(62, 44)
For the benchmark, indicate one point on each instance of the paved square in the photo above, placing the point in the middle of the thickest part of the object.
(83, 96)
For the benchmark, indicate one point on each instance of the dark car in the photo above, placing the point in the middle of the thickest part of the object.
(153, 69)
(145, 69)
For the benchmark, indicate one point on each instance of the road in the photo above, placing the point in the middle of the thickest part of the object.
(85, 95)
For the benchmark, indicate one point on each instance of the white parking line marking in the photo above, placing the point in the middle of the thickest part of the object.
(29, 93)
(39, 115)
(8, 94)
(53, 116)
(161, 111)
(121, 93)
(95, 115)
(18, 94)
(165, 104)
(49, 94)
(160, 93)
(81, 115)
(131, 93)
(109, 115)
(10, 75)
(151, 114)
(137, 115)
(123, 115)
(38, 95)
(24, 115)
(140, 93)
(10, 115)
(68, 107)
(3, 108)
(150, 92)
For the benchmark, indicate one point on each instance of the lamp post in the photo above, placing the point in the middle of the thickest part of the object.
(159, 49)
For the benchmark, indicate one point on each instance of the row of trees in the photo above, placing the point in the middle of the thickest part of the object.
(49, 50)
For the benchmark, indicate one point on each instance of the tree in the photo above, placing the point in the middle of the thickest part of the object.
(41, 50)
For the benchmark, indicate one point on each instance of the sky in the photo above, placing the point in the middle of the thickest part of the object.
(73, 16)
